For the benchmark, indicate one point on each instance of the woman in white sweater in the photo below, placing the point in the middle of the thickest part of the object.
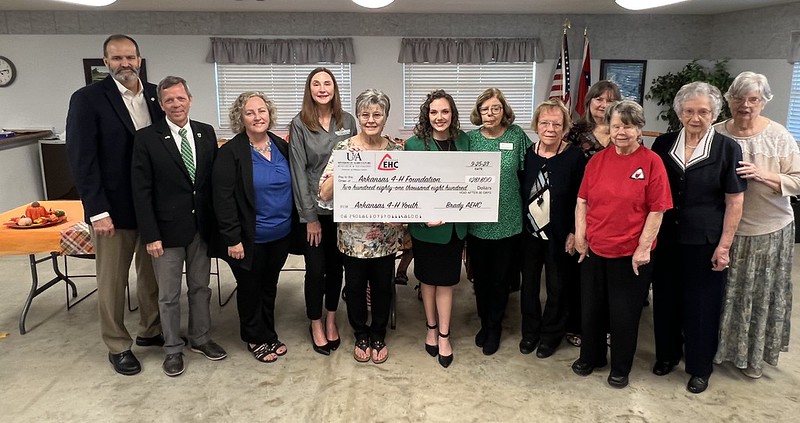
(758, 299)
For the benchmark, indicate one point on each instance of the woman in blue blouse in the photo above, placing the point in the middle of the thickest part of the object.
(254, 207)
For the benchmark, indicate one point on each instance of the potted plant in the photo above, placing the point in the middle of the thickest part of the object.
(666, 86)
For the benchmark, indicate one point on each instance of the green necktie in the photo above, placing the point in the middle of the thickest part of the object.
(186, 153)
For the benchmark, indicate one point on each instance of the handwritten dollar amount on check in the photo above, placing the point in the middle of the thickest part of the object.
(410, 186)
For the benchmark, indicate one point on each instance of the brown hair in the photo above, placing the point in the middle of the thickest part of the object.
(596, 90)
(423, 129)
(508, 113)
(308, 113)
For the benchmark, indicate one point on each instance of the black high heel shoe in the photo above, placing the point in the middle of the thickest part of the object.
(333, 344)
(433, 350)
(445, 360)
(324, 350)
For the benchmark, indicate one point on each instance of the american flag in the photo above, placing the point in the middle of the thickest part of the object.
(560, 88)
(585, 78)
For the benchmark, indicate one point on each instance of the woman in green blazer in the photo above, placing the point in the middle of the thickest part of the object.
(438, 246)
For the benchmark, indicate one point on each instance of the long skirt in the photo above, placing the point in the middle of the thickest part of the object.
(756, 312)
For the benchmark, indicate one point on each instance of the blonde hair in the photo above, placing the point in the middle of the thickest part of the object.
(235, 114)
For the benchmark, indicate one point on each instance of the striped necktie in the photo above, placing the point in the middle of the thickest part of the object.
(186, 153)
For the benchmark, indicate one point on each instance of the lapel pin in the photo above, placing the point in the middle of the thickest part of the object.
(167, 137)
(199, 135)
(152, 99)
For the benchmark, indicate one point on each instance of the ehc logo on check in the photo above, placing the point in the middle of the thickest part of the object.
(388, 163)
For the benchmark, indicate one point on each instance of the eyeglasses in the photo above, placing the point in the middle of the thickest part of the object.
(702, 113)
(751, 100)
(554, 125)
(375, 116)
(494, 109)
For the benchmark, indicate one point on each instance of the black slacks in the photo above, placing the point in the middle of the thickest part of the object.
(492, 261)
(687, 302)
(571, 275)
(323, 271)
(548, 326)
(378, 273)
(256, 291)
(611, 292)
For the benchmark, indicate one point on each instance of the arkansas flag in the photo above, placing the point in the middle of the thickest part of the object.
(560, 88)
(585, 79)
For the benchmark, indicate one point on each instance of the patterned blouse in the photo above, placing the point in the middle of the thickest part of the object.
(583, 137)
(512, 146)
(368, 239)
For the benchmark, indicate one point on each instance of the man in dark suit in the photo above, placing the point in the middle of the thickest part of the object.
(101, 123)
(171, 178)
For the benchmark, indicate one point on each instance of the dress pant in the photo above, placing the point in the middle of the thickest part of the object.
(169, 274)
(257, 288)
(323, 271)
(493, 262)
(378, 273)
(612, 293)
(113, 256)
(687, 302)
(547, 326)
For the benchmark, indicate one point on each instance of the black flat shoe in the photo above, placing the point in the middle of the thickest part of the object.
(432, 350)
(480, 338)
(618, 382)
(173, 365)
(125, 363)
(445, 360)
(527, 346)
(545, 350)
(324, 349)
(582, 368)
(662, 368)
(697, 384)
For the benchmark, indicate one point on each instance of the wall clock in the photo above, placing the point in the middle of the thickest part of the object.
(8, 73)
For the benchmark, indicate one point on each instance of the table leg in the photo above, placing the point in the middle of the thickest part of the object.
(35, 288)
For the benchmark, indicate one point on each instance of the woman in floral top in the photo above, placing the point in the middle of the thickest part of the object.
(369, 247)
(493, 247)
(590, 132)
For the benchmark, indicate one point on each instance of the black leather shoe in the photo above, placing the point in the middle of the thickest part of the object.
(582, 368)
(617, 381)
(125, 363)
(545, 350)
(211, 350)
(662, 368)
(527, 346)
(153, 341)
(173, 365)
(697, 384)
(444, 360)
(324, 350)
(480, 338)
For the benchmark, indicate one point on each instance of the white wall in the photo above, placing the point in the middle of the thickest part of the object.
(50, 69)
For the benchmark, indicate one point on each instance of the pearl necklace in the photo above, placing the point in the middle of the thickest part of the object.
(264, 150)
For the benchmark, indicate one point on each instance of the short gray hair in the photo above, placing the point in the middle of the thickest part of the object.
(747, 82)
(372, 97)
(235, 114)
(697, 89)
(170, 82)
(630, 112)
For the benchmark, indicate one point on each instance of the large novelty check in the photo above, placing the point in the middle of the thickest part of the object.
(416, 186)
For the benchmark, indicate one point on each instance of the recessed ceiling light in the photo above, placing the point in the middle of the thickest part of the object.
(94, 3)
(373, 4)
(645, 4)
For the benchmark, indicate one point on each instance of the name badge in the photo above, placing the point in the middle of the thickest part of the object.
(343, 131)
(506, 146)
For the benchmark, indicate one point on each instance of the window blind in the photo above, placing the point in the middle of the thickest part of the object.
(465, 82)
(283, 84)
(793, 121)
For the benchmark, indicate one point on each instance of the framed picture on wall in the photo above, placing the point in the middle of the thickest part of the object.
(95, 70)
(628, 74)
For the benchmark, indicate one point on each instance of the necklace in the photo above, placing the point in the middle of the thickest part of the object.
(446, 145)
(690, 146)
(263, 150)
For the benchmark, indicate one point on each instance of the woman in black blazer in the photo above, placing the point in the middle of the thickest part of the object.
(692, 254)
(253, 203)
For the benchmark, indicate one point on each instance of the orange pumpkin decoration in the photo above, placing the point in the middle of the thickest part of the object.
(35, 211)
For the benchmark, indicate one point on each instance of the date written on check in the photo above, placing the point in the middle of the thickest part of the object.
(415, 186)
